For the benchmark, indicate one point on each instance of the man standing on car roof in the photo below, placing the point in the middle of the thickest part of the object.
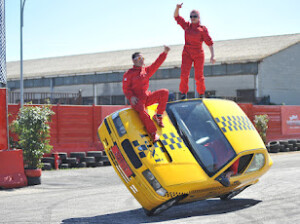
(135, 87)
(195, 35)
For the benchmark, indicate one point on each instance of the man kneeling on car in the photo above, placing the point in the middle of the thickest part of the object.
(135, 87)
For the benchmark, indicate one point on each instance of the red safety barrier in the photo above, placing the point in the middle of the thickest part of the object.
(74, 128)
(12, 169)
(3, 120)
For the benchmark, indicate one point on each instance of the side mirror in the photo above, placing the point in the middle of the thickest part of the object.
(223, 180)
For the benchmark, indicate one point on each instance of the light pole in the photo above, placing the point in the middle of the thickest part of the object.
(22, 5)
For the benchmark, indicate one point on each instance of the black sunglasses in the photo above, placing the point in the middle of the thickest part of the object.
(193, 17)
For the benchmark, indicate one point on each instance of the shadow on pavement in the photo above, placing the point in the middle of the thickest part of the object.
(200, 208)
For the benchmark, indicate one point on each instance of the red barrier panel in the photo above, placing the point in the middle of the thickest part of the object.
(3, 120)
(12, 169)
(290, 120)
(248, 109)
(74, 128)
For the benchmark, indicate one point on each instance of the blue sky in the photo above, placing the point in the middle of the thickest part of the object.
(67, 27)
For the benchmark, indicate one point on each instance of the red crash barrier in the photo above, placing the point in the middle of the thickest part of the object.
(12, 169)
(74, 128)
(3, 120)
(280, 126)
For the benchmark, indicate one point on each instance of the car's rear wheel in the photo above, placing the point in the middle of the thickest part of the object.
(227, 197)
(164, 206)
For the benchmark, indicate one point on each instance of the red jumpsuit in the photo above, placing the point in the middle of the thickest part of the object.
(136, 83)
(195, 34)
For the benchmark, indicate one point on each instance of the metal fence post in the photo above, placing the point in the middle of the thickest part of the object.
(3, 77)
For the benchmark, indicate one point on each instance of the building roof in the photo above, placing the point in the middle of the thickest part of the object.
(226, 51)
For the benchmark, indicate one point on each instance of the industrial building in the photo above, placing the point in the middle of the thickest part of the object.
(247, 70)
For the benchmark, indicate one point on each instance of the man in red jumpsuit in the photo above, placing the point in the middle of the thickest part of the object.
(195, 34)
(135, 87)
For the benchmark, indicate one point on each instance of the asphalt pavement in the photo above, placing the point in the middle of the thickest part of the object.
(96, 195)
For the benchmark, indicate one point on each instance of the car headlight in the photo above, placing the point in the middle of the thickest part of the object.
(154, 183)
(161, 191)
(119, 124)
(257, 163)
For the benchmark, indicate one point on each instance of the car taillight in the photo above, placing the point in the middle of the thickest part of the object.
(121, 161)
(154, 183)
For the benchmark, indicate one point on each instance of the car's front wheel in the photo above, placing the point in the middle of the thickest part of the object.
(227, 197)
(164, 206)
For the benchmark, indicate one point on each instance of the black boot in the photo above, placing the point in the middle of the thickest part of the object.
(183, 96)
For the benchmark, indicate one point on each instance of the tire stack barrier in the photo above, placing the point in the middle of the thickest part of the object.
(77, 160)
(283, 146)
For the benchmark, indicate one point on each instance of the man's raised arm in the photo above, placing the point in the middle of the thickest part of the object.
(155, 65)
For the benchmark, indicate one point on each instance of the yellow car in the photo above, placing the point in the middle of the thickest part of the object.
(200, 142)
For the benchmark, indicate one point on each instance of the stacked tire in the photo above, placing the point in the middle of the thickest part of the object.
(64, 162)
(283, 146)
(274, 146)
(98, 157)
(101, 158)
(77, 160)
(48, 163)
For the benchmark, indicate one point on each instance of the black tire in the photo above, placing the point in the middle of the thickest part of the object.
(283, 142)
(98, 164)
(281, 148)
(48, 160)
(89, 160)
(62, 155)
(33, 181)
(274, 146)
(64, 166)
(227, 197)
(298, 140)
(164, 206)
(71, 161)
(47, 166)
(291, 147)
(78, 155)
(296, 149)
(268, 148)
(81, 165)
(285, 150)
(96, 154)
(292, 141)
(298, 145)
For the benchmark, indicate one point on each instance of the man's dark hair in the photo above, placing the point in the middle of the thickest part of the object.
(135, 54)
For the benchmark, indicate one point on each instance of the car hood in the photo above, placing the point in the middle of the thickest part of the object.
(169, 159)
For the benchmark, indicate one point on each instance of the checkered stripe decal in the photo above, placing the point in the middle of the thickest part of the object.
(234, 123)
(170, 141)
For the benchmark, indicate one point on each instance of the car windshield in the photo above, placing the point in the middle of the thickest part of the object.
(201, 134)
